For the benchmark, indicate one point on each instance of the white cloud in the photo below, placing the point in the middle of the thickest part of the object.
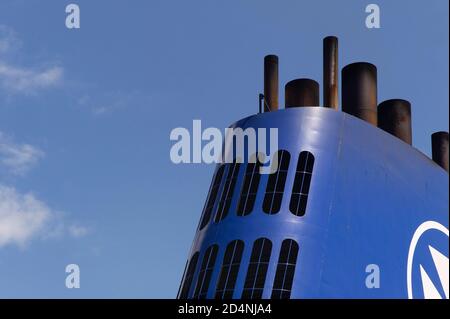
(17, 158)
(20, 79)
(22, 217)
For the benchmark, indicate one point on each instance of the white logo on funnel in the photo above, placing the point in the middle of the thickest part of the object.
(430, 291)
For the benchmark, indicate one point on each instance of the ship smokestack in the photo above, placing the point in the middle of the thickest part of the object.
(270, 83)
(330, 72)
(394, 117)
(359, 91)
(301, 92)
(439, 146)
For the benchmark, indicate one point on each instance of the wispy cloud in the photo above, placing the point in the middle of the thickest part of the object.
(22, 80)
(9, 42)
(15, 158)
(77, 231)
(111, 101)
(15, 79)
(23, 216)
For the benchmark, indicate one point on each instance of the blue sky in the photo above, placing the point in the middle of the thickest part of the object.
(85, 118)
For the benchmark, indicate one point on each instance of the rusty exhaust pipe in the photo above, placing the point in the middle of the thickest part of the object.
(301, 92)
(330, 72)
(359, 91)
(394, 117)
(270, 83)
(439, 149)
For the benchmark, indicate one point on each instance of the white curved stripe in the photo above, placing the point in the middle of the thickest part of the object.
(412, 247)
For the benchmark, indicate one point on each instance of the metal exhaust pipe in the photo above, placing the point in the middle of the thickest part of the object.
(394, 117)
(301, 92)
(330, 72)
(359, 91)
(270, 83)
(439, 148)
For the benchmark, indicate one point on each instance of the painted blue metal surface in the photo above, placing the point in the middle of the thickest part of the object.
(369, 193)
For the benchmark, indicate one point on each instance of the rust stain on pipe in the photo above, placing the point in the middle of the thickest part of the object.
(270, 83)
(359, 91)
(394, 117)
(330, 72)
(301, 92)
(439, 145)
